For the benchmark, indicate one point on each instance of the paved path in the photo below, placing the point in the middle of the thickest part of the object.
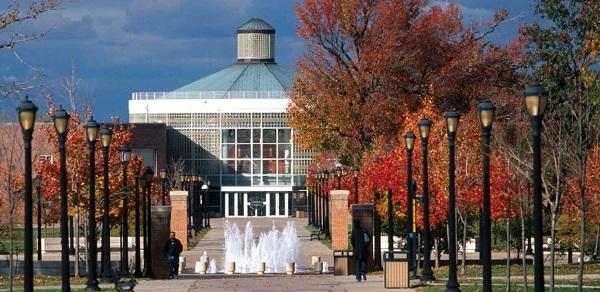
(213, 241)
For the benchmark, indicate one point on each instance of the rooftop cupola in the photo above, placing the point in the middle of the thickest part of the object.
(256, 42)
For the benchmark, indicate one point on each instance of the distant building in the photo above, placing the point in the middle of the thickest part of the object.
(232, 128)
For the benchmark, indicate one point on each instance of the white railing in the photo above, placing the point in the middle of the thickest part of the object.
(208, 95)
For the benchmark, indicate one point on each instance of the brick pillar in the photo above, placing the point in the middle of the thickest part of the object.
(160, 225)
(179, 215)
(339, 219)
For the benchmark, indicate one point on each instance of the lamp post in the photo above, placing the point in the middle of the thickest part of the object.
(105, 272)
(37, 183)
(125, 157)
(138, 268)
(409, 143)
(91, 131)
(486, 116)
(355, 172)
(309, 202)
(144, 216)
(452, 119)
(317, 202)
(61, 124)
(148, 176)
(536, 99)
(163, 177)
(27, 112)
(424, 126)
(196, 205)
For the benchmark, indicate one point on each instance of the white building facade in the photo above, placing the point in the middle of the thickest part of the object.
(231, 127)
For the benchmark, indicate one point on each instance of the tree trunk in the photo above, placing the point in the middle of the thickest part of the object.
(11, 263)
(523, 243)
(552, 249)
(437, 253)
(582, 241)
(508, 253)
(596, 244)
(464, 246)
(77, 243)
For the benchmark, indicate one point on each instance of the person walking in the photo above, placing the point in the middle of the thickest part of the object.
(360, 240)
(171, 252)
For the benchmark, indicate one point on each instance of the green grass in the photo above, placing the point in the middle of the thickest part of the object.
(516, 270)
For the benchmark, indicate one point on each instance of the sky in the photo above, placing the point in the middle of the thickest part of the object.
(122, 46)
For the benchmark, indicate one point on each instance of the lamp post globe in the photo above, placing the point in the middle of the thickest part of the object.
(536, 99)
(409, 143)
(91, 134)
(60, 118)
(452, 119)
(105, 266)
(486, 111)
(27, 112)
(424, 126)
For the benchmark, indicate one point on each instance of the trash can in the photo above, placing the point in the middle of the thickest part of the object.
(343, 262)
(396, 272)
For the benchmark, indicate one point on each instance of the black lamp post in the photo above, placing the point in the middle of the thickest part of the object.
(105, 272)
(355, 173)
(144, 216)
(309, 202)
(163, 177)
(61, 124)
(452, 119)
(138, 268)
(27, 112)
(317, 202)
(536, 99)
(486, 116)
(424, 126)
(409, 143)
(37, 183)
(91, 131)
(196, 205)
(148, 176)
(125, 157)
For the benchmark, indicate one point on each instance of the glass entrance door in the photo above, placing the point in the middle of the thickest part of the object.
(257, 204)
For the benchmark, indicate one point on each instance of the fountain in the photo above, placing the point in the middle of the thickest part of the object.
(274, 248)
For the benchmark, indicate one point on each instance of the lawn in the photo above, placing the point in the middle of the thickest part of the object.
(517, 270)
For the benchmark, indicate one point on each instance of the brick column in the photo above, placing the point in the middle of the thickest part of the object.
(339, 219)
(179, 215)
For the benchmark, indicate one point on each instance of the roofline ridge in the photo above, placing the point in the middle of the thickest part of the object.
(237, 78)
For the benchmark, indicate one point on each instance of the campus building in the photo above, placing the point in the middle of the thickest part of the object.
(232, 128)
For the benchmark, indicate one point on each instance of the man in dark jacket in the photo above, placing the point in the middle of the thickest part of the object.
(171, 252)
(360, 240)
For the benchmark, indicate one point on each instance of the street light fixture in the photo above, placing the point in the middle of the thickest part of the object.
(105, 272)
(205, 201)
(452, 119)
(486, 117)
(326, 203)
(536, 99)
(125, 157)
(61, 124)
(424, 126)
(338, 173)
(27, 112)
(91, 134)
(409, 143)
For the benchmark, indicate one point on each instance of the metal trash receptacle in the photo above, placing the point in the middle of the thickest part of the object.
(343, 262)
(396, 272)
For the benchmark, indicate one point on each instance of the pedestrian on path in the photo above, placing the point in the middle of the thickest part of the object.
(360, 240)
(171, 252)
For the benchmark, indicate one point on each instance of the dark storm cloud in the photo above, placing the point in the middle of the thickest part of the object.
(119, 47)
